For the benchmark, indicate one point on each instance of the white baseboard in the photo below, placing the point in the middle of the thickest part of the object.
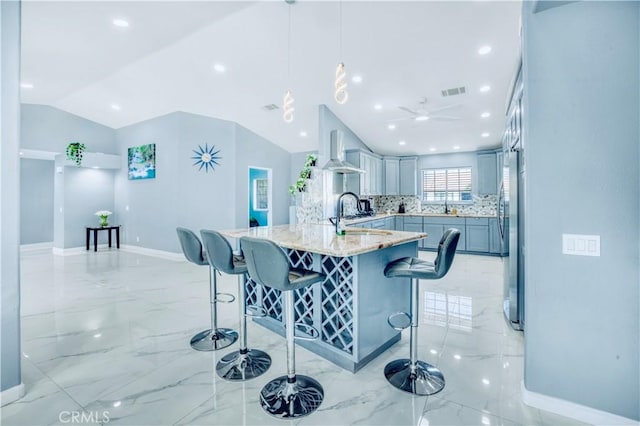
(169, 255)
(75, 250)
(25, 248)
(10, 395)
(572, 410)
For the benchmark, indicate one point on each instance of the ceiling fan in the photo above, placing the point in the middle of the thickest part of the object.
(421, 113)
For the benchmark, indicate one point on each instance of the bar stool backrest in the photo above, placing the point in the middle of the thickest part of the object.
(191, 246)
(218, 251)
(266, 262)
(446, 251)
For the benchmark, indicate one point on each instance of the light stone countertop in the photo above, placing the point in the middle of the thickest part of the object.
(423, 214)
(317, 238)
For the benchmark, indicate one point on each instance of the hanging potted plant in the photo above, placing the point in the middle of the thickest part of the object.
(75, 151)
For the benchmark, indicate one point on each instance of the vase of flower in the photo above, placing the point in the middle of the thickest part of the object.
(104, 217)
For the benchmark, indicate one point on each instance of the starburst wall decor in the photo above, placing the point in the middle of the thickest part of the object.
(206, 157)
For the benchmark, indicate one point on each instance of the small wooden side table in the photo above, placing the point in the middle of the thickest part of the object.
(95, 230)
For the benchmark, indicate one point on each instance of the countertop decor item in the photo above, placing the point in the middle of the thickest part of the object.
(104, 217)
(142, 162)
(206, 157)
(75, 151)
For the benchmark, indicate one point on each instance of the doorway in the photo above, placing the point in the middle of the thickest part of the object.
(260, 206)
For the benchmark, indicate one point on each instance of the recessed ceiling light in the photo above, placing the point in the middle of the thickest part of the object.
(486, 381)
(377, 107)
(432, 149)
(97, 335)
(422, 118)
(391, 126)
(21, 153)
(433, 351)
(402, 143)
(456, 356)
(117, 404)
(356, 78)
(121, 23)
(485, 135)
(484, 50)
(485, 89)
(26, 85)
(219, 68)
(456, 147)
(485, 115)
(303, 134)
(115, 107)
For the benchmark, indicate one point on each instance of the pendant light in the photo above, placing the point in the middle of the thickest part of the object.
(340, 84)
(287, 102)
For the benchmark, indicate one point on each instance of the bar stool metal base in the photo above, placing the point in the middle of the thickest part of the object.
(290, 400)
(207, 341)
(238, 367)
(426, 380)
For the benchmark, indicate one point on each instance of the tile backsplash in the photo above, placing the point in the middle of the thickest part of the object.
(482, 205)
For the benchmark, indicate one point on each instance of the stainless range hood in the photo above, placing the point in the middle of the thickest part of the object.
(337, 162)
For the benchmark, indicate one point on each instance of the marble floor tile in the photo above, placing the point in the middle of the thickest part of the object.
(44, 403)
(109, 332)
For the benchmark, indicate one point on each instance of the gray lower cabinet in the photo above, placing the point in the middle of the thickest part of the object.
(478, 238)
(434, 232)
(495, 244)
(413, 227)
(435, 227)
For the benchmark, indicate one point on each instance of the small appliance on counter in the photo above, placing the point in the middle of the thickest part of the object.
(401, 208)
(365, 206)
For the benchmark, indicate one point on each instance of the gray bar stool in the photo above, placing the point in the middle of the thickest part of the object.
(243, 364)
(292, 395)
(412, 375)
(214, 338)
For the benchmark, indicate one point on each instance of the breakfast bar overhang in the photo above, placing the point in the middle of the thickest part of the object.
(350, 308)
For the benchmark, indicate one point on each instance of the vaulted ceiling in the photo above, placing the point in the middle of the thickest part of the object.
(165, 61)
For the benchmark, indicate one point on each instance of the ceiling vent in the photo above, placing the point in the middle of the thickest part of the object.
(454, 91)
(270, 107)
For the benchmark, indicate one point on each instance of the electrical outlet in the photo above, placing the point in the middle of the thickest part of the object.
(126, 208)
(581, 245)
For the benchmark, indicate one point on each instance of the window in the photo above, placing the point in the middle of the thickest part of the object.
(450, 184)
(261, 194)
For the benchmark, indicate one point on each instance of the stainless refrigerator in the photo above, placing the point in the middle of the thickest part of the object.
(511, 203)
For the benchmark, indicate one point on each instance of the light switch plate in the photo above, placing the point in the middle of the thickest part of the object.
(581, 245)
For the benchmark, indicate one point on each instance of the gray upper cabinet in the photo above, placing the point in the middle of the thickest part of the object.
(370, 182)
(487, 174)
(391, 176)
(409, 176)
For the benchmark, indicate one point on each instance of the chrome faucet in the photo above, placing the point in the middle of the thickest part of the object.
(339, 207)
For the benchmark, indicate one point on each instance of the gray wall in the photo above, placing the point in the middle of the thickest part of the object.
(327, 122)
(10, 371)
(36, 201)
(254, 150)
(180, 195)
(85, 191)
(581, 136)
(47, 128)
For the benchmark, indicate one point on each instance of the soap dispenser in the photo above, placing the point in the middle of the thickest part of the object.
(401, 208)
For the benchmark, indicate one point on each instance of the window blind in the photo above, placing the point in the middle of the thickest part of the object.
(451, 184)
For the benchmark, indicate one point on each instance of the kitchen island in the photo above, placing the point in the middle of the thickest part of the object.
(351, 306)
